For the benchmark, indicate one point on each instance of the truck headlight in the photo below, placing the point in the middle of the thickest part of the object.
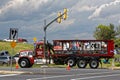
(30, 56)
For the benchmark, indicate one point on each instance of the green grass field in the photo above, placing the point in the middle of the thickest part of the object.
(18, 47)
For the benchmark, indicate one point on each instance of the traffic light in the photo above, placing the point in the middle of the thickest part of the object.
(60, 18)
(65, 14)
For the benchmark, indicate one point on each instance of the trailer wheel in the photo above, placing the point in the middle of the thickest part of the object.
(24, 63)
(81, 63)
(94, 64)
(71, 62)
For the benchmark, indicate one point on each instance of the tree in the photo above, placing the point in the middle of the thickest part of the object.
(109, 32)
(112, 32)
(117, 42)
(117, 39)
(118, 31)
(104, 32)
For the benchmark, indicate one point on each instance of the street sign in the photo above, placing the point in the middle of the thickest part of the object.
(13, 44)
(34, 39)
(13, 33)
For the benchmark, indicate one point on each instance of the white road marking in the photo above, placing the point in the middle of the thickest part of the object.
(65, 76)
(48, 77)
(96, 77)
(8, 75)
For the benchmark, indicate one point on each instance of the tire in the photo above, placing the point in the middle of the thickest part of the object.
(30, 65)
(81, 63)
(71, 62)
(24, 63)
(94, 64)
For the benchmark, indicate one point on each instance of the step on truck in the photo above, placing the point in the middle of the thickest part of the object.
(72, 52)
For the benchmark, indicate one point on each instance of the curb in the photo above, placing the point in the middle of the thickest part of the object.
(114, 68)
(14, 72)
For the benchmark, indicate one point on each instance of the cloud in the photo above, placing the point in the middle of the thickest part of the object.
(87, 8)
(83, 35)
(82, 6)
(32, 9)
(22, 5)
(119, 21)
(22, 9)
(102, 7)
(29, 16)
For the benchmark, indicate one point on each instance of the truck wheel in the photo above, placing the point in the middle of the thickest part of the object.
(24, 63)
(71, 62)
(30, 65)
(81, 63)
(94, 64)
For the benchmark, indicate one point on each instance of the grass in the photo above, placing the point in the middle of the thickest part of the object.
(18, 47)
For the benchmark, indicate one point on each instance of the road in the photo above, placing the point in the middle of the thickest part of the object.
(63, 74)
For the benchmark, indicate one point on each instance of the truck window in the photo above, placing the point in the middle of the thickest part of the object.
(39, 47)
(2, 53)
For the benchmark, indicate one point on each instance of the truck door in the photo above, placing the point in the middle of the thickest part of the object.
(39, 51)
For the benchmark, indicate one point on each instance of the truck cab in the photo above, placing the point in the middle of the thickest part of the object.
(28, 57)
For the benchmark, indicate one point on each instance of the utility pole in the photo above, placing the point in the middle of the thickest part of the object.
(44, 39)
(58, 19)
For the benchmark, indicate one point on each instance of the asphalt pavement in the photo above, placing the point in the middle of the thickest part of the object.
(41, 70)
(46, 73)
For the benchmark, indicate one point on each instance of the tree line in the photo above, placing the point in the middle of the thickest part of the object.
(108, 32)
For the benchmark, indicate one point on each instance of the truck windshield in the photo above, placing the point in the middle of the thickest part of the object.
(39, 47)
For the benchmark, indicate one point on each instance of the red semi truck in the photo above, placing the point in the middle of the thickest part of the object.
(74, 52)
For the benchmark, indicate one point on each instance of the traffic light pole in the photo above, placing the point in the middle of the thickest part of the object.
(45, 28)
(44, 40)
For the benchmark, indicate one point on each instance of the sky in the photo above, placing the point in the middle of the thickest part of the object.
(83, 17)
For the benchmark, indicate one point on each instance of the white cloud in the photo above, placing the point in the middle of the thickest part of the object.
(103, 6)
(81, 6)
(22, 9)
(22, 5)
(119, 21)
(87, 8)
